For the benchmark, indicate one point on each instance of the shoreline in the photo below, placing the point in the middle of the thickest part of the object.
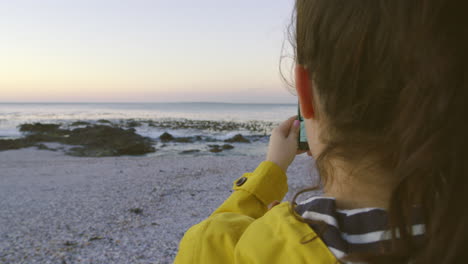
(58, 208)
(101, 138)
(251, 127)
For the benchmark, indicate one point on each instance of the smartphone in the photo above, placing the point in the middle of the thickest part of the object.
(302, 140)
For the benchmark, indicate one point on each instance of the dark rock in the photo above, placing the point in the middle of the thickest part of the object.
(183, 140)
(102, 141)
(80, 123)
(47, 137)
(104, 121)
(133, 123)
(254, 126)
(227, 146)
(40, 128)
(96, 238)
(218, 148)
(9, 144)
(93, 141)
(237, 138)
(70, 243)
(191, 151)
(137, 211)
(166, 137)
(215, 148)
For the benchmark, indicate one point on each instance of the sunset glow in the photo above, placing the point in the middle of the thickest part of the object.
(142, 51)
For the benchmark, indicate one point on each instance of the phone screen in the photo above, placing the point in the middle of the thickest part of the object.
(302, 141)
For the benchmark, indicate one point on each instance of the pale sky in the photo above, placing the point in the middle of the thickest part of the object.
(143, 50)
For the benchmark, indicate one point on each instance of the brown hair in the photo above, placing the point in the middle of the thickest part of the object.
(390, 75)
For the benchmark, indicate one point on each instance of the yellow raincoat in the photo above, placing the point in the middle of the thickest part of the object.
(243, 231)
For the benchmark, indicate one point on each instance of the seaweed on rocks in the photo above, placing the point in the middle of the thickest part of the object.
(104, 121)
(165, 137)
(101, 140)
(220, 126)
(10, 144)
(133, 123)
(227, 146)
(218, 148)
(40, 128)
(80, 123)
(183, 140)
(215, 148)
(92, 141)
(238, 138)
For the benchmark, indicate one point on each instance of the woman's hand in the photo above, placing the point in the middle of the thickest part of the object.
(283, 147)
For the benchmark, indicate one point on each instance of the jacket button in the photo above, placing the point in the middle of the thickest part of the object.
(241, 181)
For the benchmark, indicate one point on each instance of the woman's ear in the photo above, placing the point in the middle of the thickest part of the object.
(304, 92)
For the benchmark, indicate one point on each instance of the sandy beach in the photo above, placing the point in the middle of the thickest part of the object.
(62, 209)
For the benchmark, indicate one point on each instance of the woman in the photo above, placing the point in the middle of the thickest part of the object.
(382, 89)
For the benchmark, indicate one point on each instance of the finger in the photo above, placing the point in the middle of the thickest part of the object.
(294, 131)
(285, 127)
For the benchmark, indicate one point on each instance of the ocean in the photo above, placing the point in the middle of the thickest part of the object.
(218, 121)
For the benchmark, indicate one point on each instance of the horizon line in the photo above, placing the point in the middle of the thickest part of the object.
(168, 102)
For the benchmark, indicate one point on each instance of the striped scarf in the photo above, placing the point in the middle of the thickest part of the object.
(363, 230)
